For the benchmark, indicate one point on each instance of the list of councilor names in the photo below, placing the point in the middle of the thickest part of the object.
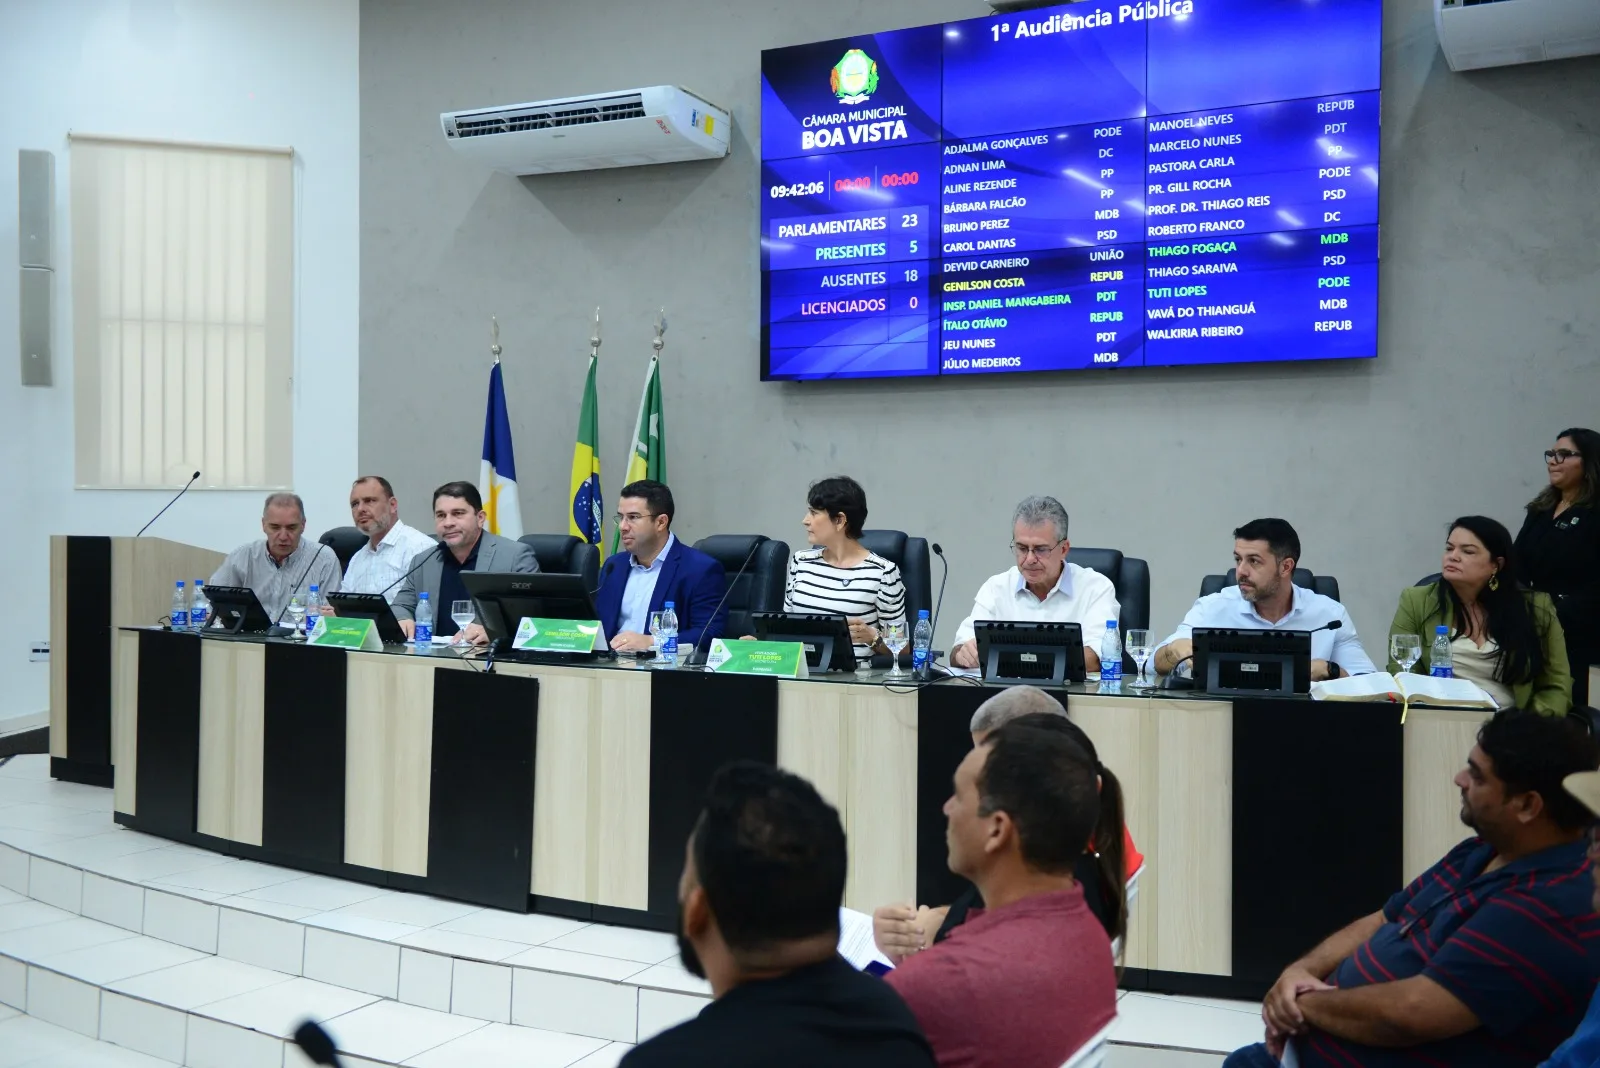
(1231, 235)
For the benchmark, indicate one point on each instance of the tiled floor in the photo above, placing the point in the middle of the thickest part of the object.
(191, 957)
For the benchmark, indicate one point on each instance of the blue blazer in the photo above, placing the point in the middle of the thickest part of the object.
(693, 581)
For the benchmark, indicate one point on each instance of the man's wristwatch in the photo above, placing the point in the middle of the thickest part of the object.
(1334, 670)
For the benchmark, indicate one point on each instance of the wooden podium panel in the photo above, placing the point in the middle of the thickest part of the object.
(98, 584)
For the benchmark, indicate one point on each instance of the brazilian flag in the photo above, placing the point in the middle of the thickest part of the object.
(586, 502)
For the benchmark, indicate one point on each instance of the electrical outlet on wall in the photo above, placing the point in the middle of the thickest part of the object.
(39, 652)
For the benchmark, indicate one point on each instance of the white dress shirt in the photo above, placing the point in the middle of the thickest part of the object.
(1081, 595)
(1308, 611)
(380, 570)
(635, 615)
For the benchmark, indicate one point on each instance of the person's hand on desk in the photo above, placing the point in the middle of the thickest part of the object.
(862, 634)
(408, 627)
(965, 655)
(473, 634)
(1321, 673)
(628, 641)
(1175, 652)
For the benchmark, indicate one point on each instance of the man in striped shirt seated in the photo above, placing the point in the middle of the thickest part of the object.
(1487, 959)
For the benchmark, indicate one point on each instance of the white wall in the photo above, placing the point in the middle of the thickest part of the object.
(252, 72)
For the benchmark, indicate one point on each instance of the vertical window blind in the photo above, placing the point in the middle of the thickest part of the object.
(182, 303)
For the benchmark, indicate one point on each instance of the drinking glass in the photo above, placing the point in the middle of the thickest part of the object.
(1138, 647)
(655, 638)
(297, 618)
(1405, 649)
(894, 636)
(462, 613)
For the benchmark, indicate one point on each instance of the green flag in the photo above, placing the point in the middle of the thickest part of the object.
(649, 456)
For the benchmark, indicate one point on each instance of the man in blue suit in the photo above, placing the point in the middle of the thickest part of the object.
(655, 568)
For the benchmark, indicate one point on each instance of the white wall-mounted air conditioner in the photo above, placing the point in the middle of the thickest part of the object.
(1497, 33)
(661, 124)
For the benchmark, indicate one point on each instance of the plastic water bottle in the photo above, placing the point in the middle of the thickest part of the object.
(1111, 653)
(667, 632)
(1441, 662)
(199, 607)
(313, 608)
(423, 634)
(179, 616)
(921, 644)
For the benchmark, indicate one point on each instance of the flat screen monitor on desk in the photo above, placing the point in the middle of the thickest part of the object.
(1252, 663)
(1028, 653)
(237, 610)
(503, 600)
(826, 637)
(373, 606)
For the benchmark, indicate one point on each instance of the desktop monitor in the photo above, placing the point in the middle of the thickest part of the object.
(237, 610)
(1012, 653)
(1252, 663)
(826, 637)
(503, 600)
(373, 606)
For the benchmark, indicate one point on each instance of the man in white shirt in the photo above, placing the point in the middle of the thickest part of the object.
(1042, 586)
(1265, 553)
(391, 547)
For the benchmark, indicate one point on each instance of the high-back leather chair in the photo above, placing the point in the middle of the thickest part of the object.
(1326, 585)
(760, 588)
(345, 542)
(912, 557)
(1131, 577)
(564, 554)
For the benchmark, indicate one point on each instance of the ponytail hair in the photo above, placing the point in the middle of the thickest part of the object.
(1108, 841)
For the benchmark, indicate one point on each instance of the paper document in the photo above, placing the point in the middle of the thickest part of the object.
(855, 940)
(1408, 687)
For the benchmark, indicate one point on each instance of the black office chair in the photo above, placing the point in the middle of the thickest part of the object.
(760, 588)
(563, 554)
(1131, 577)
(345, 542)
(911, 556)
(1326, 585)
(1430, 580)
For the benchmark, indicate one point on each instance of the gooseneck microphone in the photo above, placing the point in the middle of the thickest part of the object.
(696, 655)
(278, 630)
(421, 558)
(170, 503)
(938, 603)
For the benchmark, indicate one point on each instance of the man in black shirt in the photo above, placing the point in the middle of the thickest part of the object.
(758, 916)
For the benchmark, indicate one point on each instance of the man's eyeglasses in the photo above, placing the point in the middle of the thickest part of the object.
(1040, 551)
(631, 518)
(1559, 456)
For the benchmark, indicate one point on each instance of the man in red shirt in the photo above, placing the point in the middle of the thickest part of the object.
(1024, 806)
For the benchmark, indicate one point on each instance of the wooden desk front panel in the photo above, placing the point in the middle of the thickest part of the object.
(388, 762)
(232, 687)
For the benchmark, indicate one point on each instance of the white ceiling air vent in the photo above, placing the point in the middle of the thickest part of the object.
(662, 124)
(1497, 33)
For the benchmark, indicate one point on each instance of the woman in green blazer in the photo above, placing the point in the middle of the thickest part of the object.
(1477, 597)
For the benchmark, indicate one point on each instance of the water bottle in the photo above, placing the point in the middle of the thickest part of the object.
(423, 634)
(199, 607)
(1441, 662)
(179, 616)
(921, 644)
(1111, 654)
(668, 634)
(313, 609)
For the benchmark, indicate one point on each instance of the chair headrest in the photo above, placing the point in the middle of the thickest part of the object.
(889, 544)
(729, 549)
(1106, 561)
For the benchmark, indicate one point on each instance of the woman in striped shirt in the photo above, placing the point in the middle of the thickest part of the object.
(838, 575)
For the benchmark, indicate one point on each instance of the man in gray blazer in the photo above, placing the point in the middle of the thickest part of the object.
(458, 519)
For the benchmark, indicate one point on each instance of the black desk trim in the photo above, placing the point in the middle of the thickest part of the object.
(88, 655)
(166, 795)
(303, 752)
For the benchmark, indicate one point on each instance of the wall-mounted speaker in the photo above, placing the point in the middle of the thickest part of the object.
(36, 208)
(38, 298)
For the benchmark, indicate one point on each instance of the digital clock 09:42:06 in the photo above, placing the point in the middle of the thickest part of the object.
(800, 189)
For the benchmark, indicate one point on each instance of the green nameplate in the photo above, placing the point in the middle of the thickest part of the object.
(341, 633)
(786, 660)
(557, 635)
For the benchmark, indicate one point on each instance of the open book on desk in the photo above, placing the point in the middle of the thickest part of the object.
(1406, 687)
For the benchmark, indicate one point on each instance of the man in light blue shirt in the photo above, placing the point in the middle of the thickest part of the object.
(1265, 553)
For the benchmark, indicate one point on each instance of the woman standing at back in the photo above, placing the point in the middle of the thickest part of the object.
(1558, 549)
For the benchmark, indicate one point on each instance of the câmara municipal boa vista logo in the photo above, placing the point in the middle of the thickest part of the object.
(854, 78)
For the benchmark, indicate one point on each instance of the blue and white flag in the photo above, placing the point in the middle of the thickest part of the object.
(497, 479)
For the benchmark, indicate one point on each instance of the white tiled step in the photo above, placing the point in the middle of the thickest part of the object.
(25, 1040)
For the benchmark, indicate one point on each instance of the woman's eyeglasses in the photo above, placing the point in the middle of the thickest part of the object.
(1559, 456)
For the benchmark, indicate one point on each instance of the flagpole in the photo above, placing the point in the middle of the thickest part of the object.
(594, 342)
(494, 338)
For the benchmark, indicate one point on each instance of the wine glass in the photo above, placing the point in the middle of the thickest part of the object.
(1138, 647)
(893, 635)
(655, 637)
(1405, 649)
(297, 617)
(462, 613)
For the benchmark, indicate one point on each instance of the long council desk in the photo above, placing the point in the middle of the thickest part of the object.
(571, 790)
